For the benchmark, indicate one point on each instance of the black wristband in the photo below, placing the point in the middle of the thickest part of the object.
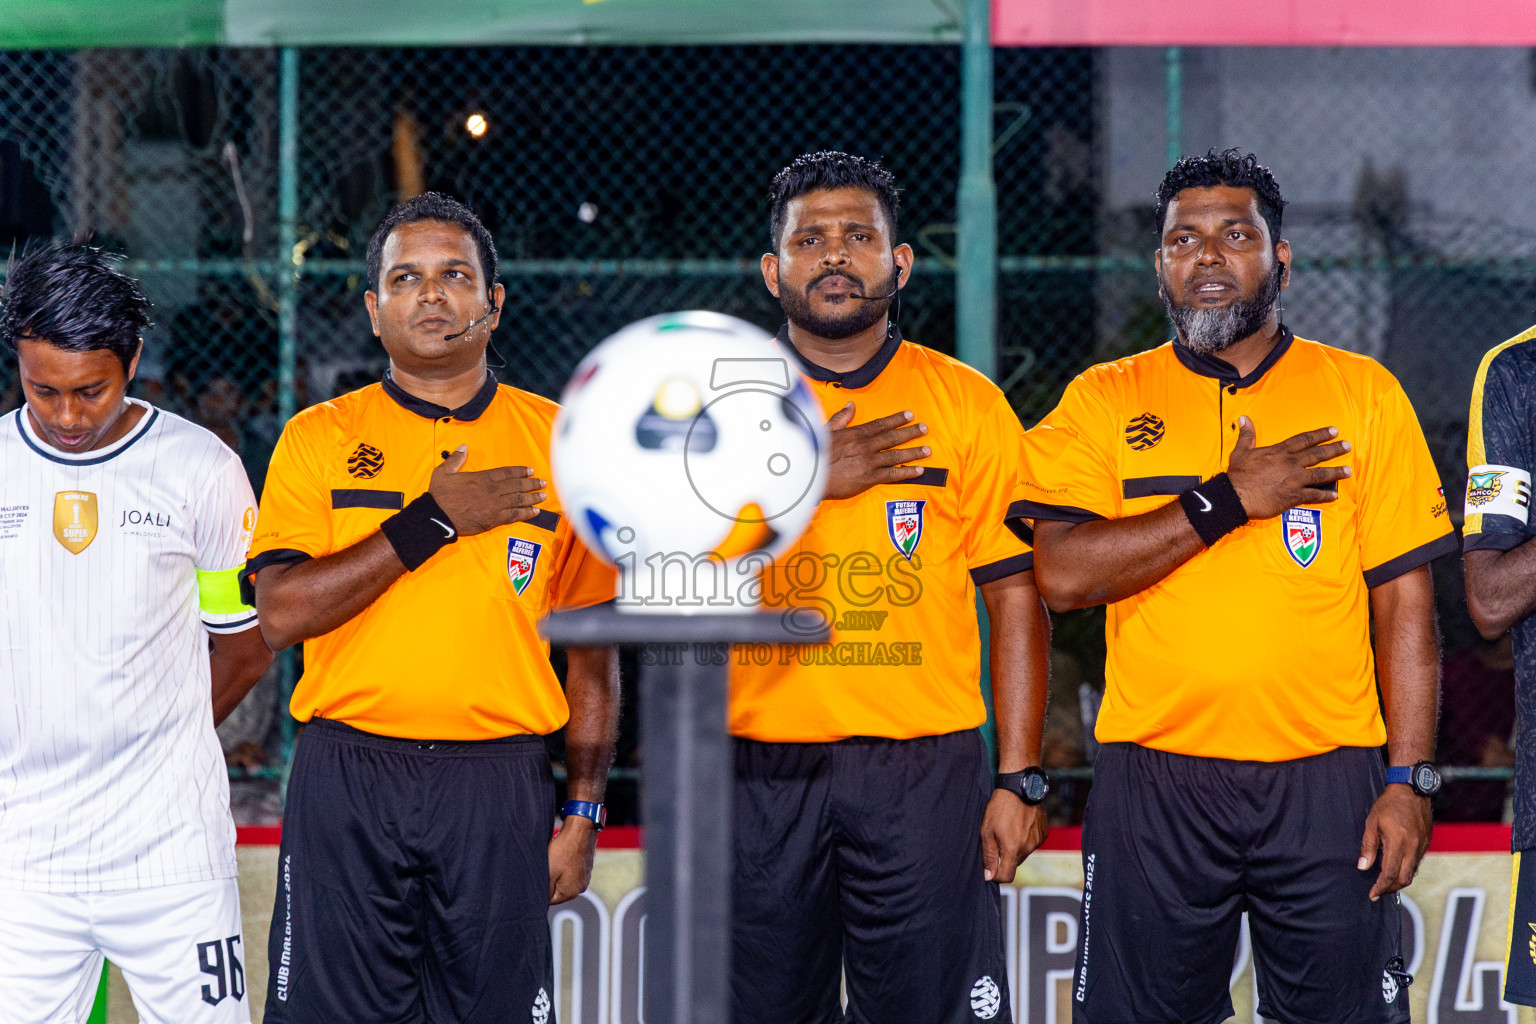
(1213, 508)
(419, 531)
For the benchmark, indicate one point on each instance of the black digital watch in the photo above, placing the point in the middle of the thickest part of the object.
(1030, 785)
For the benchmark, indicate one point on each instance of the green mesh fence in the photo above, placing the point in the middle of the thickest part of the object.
(624, 181)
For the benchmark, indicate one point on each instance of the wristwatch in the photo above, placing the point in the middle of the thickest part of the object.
(1423, 777)
(1030, 785)
(586, 809)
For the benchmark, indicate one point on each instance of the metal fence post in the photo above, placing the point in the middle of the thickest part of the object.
(1173, 62)
(289, 264)
(976, 273)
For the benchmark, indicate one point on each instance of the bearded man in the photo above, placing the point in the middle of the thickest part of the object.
(1244, 502)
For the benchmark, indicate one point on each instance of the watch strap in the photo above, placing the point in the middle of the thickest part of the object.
(1400, 774)
(591, 809)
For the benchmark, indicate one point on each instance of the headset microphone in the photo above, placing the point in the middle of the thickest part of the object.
(474, 323)
(895, 287)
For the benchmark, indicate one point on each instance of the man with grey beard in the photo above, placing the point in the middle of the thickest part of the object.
(1244, 501)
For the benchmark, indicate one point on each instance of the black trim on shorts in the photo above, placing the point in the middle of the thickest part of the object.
(1388, 571)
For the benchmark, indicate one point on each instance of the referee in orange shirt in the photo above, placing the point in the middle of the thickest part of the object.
(1245, 502)
(406, 535)
(871, 832)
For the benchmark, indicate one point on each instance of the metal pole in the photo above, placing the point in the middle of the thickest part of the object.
(976, 274)
(289, 259)
(686, 806)
(1174, 67)
(288, 267)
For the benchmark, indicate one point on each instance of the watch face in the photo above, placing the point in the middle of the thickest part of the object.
(1035, 787)
(1426, 779)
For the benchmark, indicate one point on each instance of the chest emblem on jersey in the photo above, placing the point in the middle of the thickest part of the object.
(522, 561)
(904, 525)
(1144, 432)
(1483, 487)
(365, 462)
(74, 519)
(1303, 534)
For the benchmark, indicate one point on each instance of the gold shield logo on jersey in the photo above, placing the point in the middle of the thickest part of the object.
(74, 519)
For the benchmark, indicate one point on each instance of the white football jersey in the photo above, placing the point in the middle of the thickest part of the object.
(111, 774)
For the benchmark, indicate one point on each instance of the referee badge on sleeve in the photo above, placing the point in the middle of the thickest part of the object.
(74, 519)
(522, 561)
(1303, 534)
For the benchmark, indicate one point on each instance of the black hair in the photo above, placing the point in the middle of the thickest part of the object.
(1229, 168)
(433, 206)
(74, 297)
(829, 169)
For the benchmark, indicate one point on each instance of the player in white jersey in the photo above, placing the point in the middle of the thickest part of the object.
(121, 530)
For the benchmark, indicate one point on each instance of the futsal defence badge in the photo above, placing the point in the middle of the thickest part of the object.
(522, 560)
(74, 519)
(1303, 534)
(904, 525)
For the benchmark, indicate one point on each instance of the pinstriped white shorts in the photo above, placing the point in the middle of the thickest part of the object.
(180, 948)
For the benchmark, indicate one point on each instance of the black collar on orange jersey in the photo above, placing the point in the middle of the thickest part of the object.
(1220, 369)
(860, 378)
(470, 410)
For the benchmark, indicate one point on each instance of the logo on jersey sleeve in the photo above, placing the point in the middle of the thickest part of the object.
(365, 462)
(1303, 534)
(522, 562)
(1144, 432)
(74, 519)
(904, 525)
(986, 998)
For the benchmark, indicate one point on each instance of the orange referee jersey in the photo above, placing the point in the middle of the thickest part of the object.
(1259, 647)
(450, 651)
(894, 568)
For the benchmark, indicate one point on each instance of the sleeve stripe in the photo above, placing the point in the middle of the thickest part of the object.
(1492, 541)
(1388, 571)
(239, 626)
(277, 556)
(1059, 513)
(1007, 567)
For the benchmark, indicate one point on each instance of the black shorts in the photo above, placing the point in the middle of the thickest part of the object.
(1176, 848)
(413, 882)
(1520, 964)
(865, 855)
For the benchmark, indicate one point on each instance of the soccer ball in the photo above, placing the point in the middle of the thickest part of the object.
(689, 452)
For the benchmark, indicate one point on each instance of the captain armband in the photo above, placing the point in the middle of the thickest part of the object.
(1499, 491)
(218, 592)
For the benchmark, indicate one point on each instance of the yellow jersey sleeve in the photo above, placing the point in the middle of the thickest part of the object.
(1068, 474)
(1403, 520)
(581, 578)
(293, 521)
(992, 550)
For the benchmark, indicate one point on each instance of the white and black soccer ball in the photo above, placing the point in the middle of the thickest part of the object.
(689, 451)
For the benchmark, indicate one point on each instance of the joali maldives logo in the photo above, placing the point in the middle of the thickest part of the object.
(904, 524)
(1303, 534)
(1484, 487)
(522, 560)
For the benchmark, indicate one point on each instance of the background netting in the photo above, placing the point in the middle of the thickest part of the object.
(625, 181)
